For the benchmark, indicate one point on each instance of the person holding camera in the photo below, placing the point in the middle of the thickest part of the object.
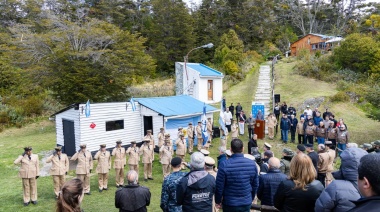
(29, 172)
(84, 166)
(59, 168)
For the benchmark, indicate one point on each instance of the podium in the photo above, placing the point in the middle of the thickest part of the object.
(260, 129)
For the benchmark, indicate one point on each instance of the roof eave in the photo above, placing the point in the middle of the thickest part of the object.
(189, 115)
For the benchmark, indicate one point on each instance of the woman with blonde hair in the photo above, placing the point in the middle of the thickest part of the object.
(70, 196)
(300, 191)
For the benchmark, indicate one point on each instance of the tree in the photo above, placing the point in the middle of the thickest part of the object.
(86, 59)
(360, 53)
(171, 35)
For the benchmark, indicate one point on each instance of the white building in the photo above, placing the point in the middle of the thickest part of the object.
(199, 81)
(109, 122)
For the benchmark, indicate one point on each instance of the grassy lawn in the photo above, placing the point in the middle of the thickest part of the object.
(293, 89)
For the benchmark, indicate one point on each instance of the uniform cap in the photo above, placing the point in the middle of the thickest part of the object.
(190, 123)
(209, 161)
(58, 148)
(228, 153)
(149, 131)
(308, 106)
(28, 148)
(309, 145)
(208, 118)
(83, 145)
(267, 145)
(301, 147)
(176, 161)
(118, 141)
(102, 145)
(376, 142)
(251, 157)
(328, 142)
(205, 152)
(133, 142)
(366, 145)
(199, 122)
(288, 151)
(161, 128)
(180, 128)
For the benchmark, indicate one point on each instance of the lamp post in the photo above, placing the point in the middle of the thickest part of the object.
(207, 46)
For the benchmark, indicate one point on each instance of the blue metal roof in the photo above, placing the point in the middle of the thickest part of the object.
(174, 105)
(204, 70)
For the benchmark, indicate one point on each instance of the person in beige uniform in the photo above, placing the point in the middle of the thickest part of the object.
(84, 166)
(134, 157)
(272, 122)
(104, 165)
(330, 168)
(300, 131)
(161, 137)
(29, 172)
(181, 148)
(149, 136)
(166, 154)
(210, 168)
(198, 130)
(234, 130)
(59, 168)
(147, 152)
(190, 136)
(119, 163)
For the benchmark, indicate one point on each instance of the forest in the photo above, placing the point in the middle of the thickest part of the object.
(57, 52)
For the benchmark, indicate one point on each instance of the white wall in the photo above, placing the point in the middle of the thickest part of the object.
(217, 90)
(158, 122)
(102, 112)
(71, 115)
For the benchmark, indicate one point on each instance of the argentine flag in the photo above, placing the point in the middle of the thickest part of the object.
(221, 119)
(87, 111)
(132, 104)
(204, 126)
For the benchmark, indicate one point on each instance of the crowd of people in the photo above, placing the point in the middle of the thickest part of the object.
(300, 180)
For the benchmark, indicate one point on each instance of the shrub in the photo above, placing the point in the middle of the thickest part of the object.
(340, 97)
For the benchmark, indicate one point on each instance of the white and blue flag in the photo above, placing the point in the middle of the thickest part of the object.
(221, 118)
(204, 126)
(132, 104)
(87, 111)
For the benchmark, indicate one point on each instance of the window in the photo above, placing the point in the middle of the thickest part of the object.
(114, 125)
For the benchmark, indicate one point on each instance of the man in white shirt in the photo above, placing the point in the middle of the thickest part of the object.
(308, 111)
(227, 119)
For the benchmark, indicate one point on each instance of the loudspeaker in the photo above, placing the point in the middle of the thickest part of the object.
(277, 98)
(216, 132)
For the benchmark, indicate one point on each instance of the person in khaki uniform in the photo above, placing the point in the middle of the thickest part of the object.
(147, 152)
(29, 172)
(104, 165)
(166, 154)
(330, 169)
(149, 136)
(198, 130)
(119, 163)
(134, 157)
(272, 122)
(234, 130)
(161, 137)
(181, 147)
(210, 168)
(59, 168)
(300, 131)
(190, 136)
(84, 166)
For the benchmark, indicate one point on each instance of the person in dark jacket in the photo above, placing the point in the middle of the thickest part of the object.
(284, 108)
(292, 111)
(369, 184)
(268, 183)
(276, 111)
(232, 108)
(222, 155)
(301, 190)
(132, 197)
(196, 189)
(264, 167)
(313, 155)
(285, 127)
(236, 181)
(340, 192)
(293, 127)
(238, 109)
(252, 143)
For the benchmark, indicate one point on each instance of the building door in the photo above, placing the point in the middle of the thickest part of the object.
(68, 137)
(210, 89)
(148, 124)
